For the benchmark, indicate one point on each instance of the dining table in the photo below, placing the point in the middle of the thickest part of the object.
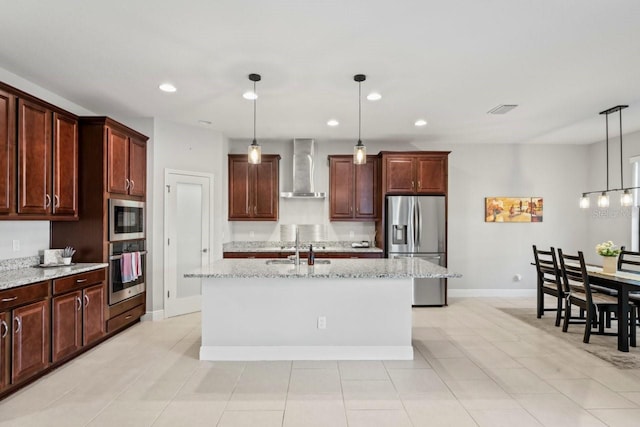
(623, 282)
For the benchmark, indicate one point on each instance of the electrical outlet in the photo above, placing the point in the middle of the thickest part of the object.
(16, 245)
(322, 322)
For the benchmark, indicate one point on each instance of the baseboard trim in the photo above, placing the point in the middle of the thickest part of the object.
(254, 353)
(153, 316)
(470, 293)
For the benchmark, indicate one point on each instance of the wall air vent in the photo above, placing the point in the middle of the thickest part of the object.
(502, 109)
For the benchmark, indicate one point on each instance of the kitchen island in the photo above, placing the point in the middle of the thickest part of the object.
(347, 309)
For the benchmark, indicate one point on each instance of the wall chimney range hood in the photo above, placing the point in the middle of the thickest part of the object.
(303, 166)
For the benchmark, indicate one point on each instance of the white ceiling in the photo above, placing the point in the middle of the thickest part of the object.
(448, 62)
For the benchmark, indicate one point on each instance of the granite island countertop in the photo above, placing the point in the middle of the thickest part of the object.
(380, 268)
(286, 246)
(24, 276)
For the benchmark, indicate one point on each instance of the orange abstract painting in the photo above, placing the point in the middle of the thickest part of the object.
(513, 209)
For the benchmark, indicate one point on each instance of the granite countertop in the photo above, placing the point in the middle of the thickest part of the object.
(285, 246)
(380, 268)
(24, 276)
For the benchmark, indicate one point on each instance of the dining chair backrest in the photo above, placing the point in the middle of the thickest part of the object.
(574, 273)
(629, 261)
(547, 268)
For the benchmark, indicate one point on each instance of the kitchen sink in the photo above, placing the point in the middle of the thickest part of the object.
(303, 261)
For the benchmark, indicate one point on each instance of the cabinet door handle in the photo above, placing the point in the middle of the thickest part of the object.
(86, 301)
(418, 184)
(18, 324)
(81, 280)
(132, 183)
(79, 303)
(9, 299)
(413, 184)
(47, 200)
(126, 183)
(3, 324)
(56, 201)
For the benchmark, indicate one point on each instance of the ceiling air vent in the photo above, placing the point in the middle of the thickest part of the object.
(502, 109)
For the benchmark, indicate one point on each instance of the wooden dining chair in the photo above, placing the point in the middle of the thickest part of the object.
(576, 279)
(549, 281)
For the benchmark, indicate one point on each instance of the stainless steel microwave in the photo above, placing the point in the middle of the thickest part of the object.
(126, 220)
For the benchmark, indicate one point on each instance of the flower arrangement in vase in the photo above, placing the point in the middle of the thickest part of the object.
(609, 251)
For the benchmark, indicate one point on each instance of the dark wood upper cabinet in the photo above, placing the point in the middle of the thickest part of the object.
(5, 350)
(65, 165)
(137, 167)
(31, 340)
(353, 189)
(34, 158)
(7, 152)
(38, 158)
(127, 163)
(414, 172)
(253, 189)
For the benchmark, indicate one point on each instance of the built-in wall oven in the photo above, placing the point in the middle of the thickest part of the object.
(126, 220)
(127, 269)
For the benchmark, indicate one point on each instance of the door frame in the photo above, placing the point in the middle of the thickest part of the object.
(166, 260)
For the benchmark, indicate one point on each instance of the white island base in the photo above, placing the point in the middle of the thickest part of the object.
(281, 319)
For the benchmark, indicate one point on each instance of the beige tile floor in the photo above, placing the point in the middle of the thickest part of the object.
(474, 366)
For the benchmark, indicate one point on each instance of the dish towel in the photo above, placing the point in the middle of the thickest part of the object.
(138, 260)
(126, 268)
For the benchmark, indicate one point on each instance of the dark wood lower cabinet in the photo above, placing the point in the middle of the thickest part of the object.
(67, 325)
(5, 350)
(93, 318)
(31, 339)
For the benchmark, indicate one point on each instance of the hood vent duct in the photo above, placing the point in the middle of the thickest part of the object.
(303, 166)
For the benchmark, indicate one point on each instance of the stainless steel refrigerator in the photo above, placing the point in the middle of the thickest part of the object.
(417, 227)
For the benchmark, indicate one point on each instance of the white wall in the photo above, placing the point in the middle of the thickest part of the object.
(188, 148)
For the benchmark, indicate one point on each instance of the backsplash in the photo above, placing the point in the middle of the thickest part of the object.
(30, 237)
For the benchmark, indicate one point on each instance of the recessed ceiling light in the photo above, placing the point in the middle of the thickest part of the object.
(204, 122)
(420, 122)
(250, 95)
(167, 87)
(374, 96)
(333, 123)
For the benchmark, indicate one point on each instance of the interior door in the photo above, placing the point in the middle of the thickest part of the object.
(188, 230)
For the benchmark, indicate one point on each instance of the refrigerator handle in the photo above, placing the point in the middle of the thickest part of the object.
(419, 227)
(415, 225)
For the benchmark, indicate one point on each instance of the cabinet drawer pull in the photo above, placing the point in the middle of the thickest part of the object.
(79, 303)
(86, 301)
(81, 280)
(18, 324)
(9, 299)
(128, 317)
(3, 324)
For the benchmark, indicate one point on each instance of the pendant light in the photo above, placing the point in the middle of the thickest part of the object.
(359, 150)
(626, 199)
(255, 151)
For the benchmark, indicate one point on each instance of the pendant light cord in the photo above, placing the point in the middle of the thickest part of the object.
(359, 111)
(621, 174)
(255, 99)
(607, 128)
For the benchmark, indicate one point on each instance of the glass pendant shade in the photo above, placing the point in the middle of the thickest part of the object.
(585, 202)
(255, 153)
(603, 200)
(359, 154)
(626, 199)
